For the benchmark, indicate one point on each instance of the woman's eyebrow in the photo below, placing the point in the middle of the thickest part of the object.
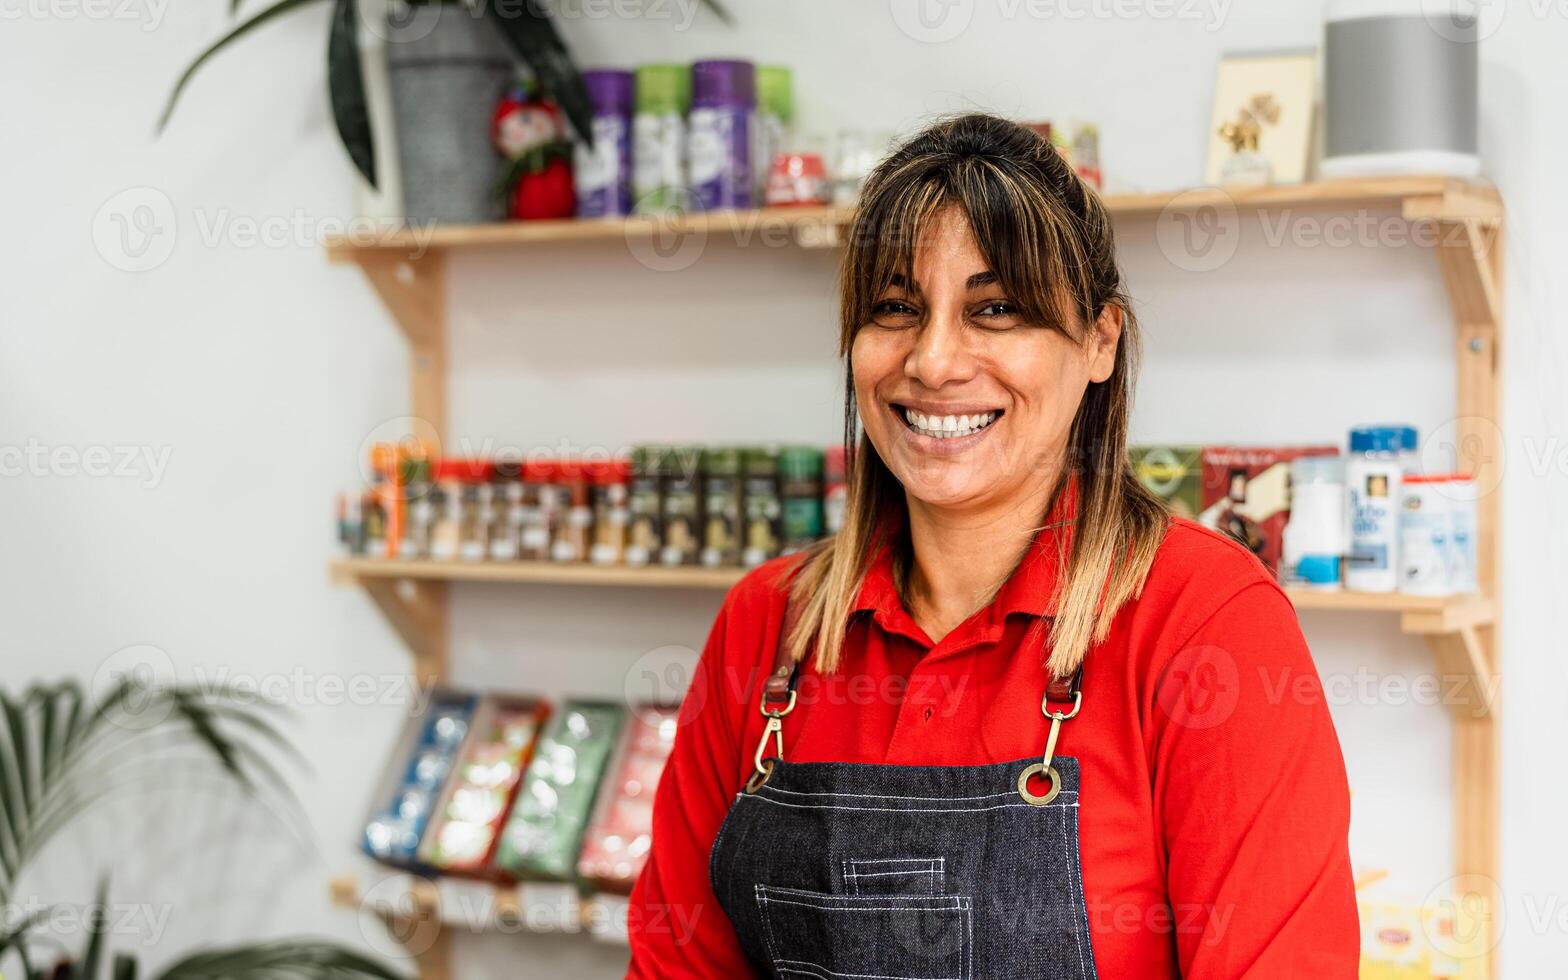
(986, 278)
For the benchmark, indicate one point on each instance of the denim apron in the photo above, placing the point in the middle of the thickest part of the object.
(888, 872)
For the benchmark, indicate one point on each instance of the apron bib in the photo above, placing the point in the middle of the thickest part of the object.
(888, 872)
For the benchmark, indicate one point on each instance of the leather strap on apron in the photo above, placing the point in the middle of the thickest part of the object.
(778, 700)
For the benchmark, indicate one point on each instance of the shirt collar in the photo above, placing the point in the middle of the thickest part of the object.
(1030, 590)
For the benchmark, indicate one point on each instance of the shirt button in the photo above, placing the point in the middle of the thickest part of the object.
(928, 713)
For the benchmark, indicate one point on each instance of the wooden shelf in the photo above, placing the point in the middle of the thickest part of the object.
(815, 227)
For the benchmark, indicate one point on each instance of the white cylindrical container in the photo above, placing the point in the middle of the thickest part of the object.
(1425, 526)
(1372, 478)
(1461, 492)
(1313, 542)
(1400, 87)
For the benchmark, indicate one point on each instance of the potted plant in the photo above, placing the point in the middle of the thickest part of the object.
(449, 61)
(63, 754)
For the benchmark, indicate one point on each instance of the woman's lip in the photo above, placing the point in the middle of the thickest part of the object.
(939, 409)
(931, 445)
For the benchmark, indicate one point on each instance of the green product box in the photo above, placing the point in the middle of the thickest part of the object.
(545, 829)
(1174, 473)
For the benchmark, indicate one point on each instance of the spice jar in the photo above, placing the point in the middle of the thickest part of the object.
(477, 511)
(610, 489)
(682, 506)
(446, 533)
(800, 490)
(647, 506)
(761, 506)
(506, 521)
(570, 541)
(421, 514)
(540, 507)
(721, 507)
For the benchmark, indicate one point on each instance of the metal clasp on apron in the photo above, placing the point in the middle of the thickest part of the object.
(1043, 768)
(771, 708)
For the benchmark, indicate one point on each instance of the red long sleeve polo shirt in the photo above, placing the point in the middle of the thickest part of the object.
(1214, 804)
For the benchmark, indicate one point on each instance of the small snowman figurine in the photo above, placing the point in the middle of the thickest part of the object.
(530, 132)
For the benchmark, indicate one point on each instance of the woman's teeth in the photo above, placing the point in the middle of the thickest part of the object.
(947, 426)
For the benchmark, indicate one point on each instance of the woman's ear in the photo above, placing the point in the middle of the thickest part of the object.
(1103, 340)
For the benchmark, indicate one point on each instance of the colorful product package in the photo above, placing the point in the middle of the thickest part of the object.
(421, 763)
(1174, 474)
(462, 835)
(1246, 494)
(1406, 942)
(616, 845)
(545, 831)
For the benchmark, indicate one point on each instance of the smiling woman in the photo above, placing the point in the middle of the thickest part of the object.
(1070, 756)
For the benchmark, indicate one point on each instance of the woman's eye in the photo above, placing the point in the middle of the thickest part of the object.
(996, 314)
(998, 308)
(894, 312)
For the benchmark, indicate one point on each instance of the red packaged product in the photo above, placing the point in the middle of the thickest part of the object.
(1246, 494)
(616, 845)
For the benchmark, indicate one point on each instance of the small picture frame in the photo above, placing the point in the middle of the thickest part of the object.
(1264, 109)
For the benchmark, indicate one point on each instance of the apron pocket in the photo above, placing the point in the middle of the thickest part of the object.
(897, 937)
(895, 876)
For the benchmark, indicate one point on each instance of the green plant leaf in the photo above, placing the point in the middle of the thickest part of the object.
(719, 10)
(346, 87)
(276, 10)
(528, 30)
(97, 923)
(299, 959)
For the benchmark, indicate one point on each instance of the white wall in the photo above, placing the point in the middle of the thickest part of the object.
(261, 371)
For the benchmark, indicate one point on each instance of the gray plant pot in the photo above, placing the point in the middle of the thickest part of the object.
(448, 67)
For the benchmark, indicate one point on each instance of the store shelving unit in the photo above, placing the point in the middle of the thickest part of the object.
(408, 271)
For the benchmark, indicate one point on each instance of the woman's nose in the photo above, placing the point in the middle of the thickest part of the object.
(939, 355)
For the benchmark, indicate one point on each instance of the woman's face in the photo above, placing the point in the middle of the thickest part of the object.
(968, 405)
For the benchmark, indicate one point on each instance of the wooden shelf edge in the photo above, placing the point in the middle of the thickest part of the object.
(352, 571)
(1435, 197)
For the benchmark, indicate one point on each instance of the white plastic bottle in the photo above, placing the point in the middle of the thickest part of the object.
(1461, 491)
(1313, 543)
(1372, 485)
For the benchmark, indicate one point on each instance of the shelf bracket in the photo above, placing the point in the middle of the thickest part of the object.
(1469, 685)
(1464, 255)
(417, 610)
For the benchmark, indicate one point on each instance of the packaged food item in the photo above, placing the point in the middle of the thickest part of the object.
(764, 510)
(835, 489)
(1246, 494)
(721, 491)
(1086, 155)
(723, 101)
(797, 179)
(373, 518)
(1373, 473)
(1174, 474)
(421, 762)
(1426, 522)
(646, 540)
(351, 523)
(446, 502)
(478, 509)
(462, 835)
(544, 833)
(856, 154)
(542, 510)
(1313, 542)
(616, 845)
(417, 484)
(659, 157)
(387, 488)
(609, 484)
(800, 493)
(603, 171)
(775, 115)
(506, 525)
(682, 497)
(570, 542)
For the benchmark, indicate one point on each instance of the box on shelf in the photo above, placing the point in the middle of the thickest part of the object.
(466, 825)
(1246, 494)
(1174, 474)
(421, 761)
(616, 845)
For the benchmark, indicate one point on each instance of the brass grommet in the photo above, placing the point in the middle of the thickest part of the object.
(760, 779)
(1038, 769)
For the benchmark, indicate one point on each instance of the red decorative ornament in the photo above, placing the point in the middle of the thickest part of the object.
(530, 132)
